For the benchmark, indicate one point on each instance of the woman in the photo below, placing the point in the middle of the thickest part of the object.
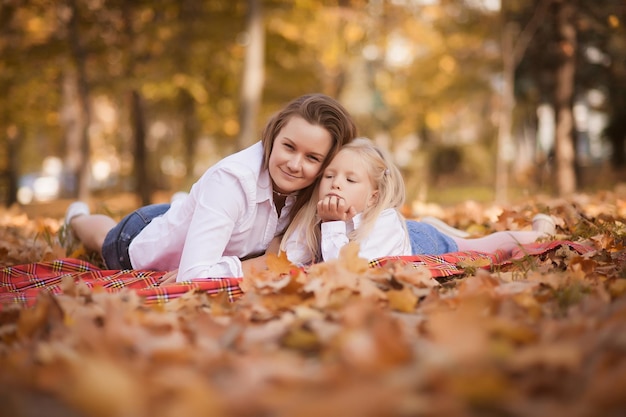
(235, 210)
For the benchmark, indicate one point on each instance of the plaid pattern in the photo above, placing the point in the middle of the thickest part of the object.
(20, 284)
(455, 263)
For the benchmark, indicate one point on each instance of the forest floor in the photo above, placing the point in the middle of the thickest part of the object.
(542, 337)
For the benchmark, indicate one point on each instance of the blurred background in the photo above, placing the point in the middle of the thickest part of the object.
(488, 100)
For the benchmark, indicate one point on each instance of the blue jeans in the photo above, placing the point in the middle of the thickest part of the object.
(117, 241)
(426, 240)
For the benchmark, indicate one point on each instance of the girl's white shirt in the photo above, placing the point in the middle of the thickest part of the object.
(228, 215)
(388, 237)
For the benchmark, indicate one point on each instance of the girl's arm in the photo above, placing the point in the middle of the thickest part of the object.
(388, 237)
(334, 215)
(334, 237)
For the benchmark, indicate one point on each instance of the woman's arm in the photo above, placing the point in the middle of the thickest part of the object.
(274, 246)
(259, 263)
(220, 203)
(168, 277)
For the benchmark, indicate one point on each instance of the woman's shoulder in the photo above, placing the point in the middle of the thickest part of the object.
(242, 170)
(245, 163)
(250, 157)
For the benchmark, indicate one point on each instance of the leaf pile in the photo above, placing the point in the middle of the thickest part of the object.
(24, 240)
(545, 336)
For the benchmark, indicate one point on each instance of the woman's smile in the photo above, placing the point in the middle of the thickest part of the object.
(298, 154)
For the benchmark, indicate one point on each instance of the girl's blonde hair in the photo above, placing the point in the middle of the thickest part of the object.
(384, 176)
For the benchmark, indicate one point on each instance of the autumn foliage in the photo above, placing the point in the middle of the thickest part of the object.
(541, 337)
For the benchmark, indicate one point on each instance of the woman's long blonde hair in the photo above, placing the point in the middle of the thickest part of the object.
(385, 178)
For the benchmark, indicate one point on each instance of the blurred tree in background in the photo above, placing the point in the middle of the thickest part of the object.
(145, 95)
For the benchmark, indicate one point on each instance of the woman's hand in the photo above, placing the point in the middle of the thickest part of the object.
(274, 246)
(252, 265)
(333, 208)
(169, 277)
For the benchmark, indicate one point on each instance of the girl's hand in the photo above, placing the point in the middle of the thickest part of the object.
(169, 277)
(333, 208)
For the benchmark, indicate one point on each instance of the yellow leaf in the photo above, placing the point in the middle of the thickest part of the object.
(402, 300)
(301, 338)
(279, 263)
(617, 287)
(420, 277)
(104, 387)
(480, 385)
(349, 258)
(39, 319)
(475, 263)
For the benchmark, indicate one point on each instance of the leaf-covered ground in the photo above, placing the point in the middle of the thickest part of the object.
(543, 337)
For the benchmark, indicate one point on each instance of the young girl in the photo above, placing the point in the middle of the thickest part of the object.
(235, 210)
(358, 199)
(359, 196)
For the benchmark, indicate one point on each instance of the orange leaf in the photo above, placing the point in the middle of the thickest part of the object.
(279, 263)
(402, 300)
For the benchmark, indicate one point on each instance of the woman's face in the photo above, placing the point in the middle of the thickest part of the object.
(298, 152)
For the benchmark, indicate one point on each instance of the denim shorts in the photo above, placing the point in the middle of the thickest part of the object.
(427, 240)
(116, 243)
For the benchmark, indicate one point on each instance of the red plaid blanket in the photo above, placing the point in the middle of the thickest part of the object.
(21, 284)
(455, 263)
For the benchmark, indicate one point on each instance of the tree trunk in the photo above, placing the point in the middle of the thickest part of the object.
(514, 46)
(83, 116)
(7, 12)
(253, 76)
(190, 9)
(190, 130)
(505, 146)
(70, 118)
(143, 184)
(616, 129)
(564, 92)
(13, 140)
(616, 132)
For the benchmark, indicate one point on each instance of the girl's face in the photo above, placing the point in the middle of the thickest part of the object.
(298, 153)
(347, 178)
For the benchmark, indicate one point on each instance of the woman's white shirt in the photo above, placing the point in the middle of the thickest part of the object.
(228, 215)
(388, 237)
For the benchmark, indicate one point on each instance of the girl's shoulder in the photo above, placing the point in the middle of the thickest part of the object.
(391, 214)
(386, 218)
(390, 218)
